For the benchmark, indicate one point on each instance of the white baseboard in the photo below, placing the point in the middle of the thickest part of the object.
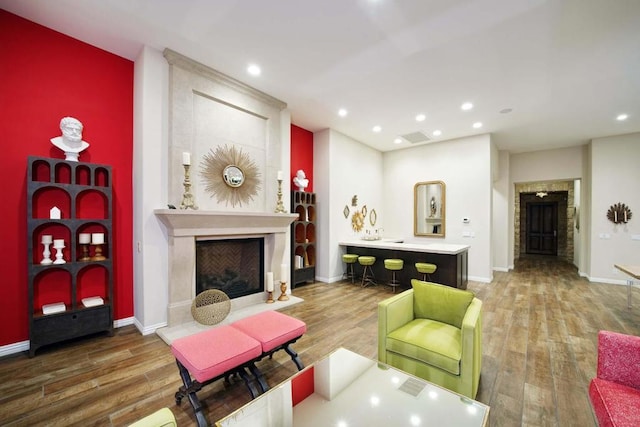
(148, 330)
(607, 281)
(502, 269)
(119, 323)
(17, 347)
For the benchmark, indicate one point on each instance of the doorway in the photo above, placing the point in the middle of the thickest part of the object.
(542, 228)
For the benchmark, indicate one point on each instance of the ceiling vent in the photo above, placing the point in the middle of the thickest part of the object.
(416, 137)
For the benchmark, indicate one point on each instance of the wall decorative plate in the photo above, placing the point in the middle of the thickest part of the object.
(345, 211)
(619, 213)
(373, 217)
(230, 175)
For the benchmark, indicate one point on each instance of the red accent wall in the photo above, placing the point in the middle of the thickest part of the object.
(301, 154)
(46, 76)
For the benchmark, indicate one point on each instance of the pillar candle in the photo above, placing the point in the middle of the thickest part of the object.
(625, 216)
(615, 216)
(47, 239)
(186, 158)
(97, 238)
(58, 243)
(283, 272)
(84, 238)
(270, 281)
(279, 175)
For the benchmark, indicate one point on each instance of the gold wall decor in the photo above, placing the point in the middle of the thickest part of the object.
(216, 171)
(357, 221)
(619, 213)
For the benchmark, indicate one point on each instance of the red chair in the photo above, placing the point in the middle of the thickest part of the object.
(615, 392)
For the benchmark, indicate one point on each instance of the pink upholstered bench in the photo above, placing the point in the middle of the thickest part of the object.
(233, 349)
(274, 331)
(209, 356)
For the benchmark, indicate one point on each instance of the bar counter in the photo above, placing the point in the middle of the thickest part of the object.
(451, 260)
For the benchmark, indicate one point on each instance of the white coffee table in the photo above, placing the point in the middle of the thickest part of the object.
(346, 389)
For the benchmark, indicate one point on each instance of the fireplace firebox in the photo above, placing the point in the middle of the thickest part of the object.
(234, 266)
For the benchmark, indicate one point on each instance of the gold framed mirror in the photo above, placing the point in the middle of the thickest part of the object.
(429, 209)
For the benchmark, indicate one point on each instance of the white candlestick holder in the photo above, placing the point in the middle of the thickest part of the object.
(46, 254)
(280, 205)
(187, 198)
(59, 253)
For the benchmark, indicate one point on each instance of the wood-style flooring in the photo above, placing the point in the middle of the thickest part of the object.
(540, 325)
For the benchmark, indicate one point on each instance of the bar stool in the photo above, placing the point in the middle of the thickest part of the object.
(349, 260)
(393, 264)
(367, 262)
(426, 269)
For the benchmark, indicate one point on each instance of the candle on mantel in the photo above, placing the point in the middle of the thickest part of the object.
(615, 216)
(186, 158)
(47, 239)
(58, 243)
(270, 281)
(84, 238)
(279, 175)
(625, 216)
(97, 238)
(283, 272)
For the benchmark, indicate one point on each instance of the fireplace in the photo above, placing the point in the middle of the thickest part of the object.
(186, 228)
(233, 266)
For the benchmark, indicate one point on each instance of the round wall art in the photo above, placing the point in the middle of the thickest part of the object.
(230, 175)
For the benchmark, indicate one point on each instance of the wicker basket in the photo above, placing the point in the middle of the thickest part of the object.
(210, 307)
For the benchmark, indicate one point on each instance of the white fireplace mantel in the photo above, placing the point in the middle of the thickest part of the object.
(222, 223)
(184, 227)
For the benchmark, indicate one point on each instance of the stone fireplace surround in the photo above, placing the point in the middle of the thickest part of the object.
(184, 227)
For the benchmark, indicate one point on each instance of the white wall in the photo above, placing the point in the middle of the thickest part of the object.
(343, 167)
(615, 177)
(465, 166)
(150, 186)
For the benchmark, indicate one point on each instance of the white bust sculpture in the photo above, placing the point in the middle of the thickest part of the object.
(71, 139)
(300, 180)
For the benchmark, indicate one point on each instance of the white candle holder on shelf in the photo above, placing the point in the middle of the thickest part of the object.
(46, 253)
(58, 245)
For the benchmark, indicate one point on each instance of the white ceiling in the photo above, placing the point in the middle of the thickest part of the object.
(566, 68)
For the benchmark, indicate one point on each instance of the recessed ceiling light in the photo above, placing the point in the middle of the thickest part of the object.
(436, 132)
(376, 129)
(342, 112)
(466, 106)
(254, 70)
(420, 117)
(397, 140)
(622, 117)
(477, 125)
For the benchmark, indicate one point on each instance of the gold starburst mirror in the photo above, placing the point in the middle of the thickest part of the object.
(230, 175)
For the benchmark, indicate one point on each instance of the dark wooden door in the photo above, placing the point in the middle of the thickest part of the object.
(542, 228)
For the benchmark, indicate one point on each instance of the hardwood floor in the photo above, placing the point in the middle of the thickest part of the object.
(540, 325)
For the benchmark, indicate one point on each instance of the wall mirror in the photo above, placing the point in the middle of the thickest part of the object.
(429, 209)
(233, 176)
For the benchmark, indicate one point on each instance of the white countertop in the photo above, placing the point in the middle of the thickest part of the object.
(395, 244)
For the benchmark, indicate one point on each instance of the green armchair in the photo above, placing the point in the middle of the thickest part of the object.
(433, 332)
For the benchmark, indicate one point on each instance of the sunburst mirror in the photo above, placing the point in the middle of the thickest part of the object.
(230, 175)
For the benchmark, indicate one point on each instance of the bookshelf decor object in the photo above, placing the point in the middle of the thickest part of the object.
(70, 296)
